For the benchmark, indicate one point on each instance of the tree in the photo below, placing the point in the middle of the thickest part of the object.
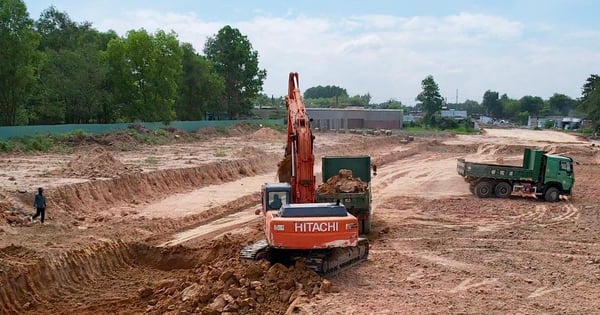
(72, 82)
(492, 104)
(236, 61)
(531, 104)
(18, 58)
(58, 30)
(510, 107)
(201, 89)
(561, 104)
(590, 100)
(328, 91)
(144, 72)
(430, 100)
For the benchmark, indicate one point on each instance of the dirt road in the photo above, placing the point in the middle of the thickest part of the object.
(163, 237)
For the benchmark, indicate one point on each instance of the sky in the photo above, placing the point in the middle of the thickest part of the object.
(383, 47)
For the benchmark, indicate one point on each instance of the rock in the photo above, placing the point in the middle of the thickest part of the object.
(218, 304)
(145, 292)
(326, 286)
(191, 292)
(226, 275)
(286, 284)
(250, 302)
(12, 178)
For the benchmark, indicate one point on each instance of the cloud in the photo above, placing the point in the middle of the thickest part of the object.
(388, 56)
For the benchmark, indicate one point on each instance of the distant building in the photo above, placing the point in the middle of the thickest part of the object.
(485, 120)
(559, 122)
(355, 118)
(456, 114)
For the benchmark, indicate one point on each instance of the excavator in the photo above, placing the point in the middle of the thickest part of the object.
(322, 235)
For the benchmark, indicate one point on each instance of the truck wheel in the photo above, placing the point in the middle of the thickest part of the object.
(365, 227)
(503, 190)
(483, 189)
(552, 194)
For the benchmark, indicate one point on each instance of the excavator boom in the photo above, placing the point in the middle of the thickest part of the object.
(299, 148)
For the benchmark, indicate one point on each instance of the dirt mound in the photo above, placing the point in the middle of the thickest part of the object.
(266, 133)
(143, 278)
(207, 131)
(344, 182)
(97, 162)
(223, 283)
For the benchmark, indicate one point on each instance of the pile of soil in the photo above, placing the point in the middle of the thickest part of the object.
(344, 182)
(97, 162)
(222, 283)
(266, 133)
(207, 131)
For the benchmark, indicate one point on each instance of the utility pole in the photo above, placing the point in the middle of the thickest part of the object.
(456, 97)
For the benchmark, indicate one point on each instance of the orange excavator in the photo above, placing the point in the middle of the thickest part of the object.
(323, 235)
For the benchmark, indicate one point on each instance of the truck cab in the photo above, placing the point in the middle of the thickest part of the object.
(559, 171)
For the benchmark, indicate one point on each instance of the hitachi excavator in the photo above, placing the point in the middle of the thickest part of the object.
(323, 235)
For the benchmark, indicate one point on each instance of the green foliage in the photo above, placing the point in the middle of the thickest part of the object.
(492, 104)
(18, 58)
(144, 73)
(446, 123)
(201, 90)
(561, 104)
(585, 131)
(472, 107)
(531, 104)
(430, 100)
(590, 100)
(237, 63)
(35, 143)
(549, 124)
(329, 91)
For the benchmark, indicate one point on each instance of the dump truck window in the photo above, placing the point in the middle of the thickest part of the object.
(565, 166)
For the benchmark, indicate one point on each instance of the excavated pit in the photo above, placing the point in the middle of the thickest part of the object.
(108, 277)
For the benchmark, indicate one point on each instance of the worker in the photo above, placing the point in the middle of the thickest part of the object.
(39, 203)
(276, 203)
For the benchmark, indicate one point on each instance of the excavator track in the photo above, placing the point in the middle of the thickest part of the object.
(326, 262)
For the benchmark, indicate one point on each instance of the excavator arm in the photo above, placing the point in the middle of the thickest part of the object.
(299, 159)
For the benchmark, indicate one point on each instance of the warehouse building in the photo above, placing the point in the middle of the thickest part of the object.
(355, 118)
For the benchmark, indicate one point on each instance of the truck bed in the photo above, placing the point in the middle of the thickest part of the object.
(483, 170)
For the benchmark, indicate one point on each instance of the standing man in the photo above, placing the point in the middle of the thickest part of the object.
(39, 203)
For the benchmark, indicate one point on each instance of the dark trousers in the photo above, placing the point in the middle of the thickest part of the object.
(40, 212)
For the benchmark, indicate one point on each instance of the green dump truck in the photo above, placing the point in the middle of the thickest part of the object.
(358, 203)
(541, 175)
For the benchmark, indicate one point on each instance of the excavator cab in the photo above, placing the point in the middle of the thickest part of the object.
(275, 195)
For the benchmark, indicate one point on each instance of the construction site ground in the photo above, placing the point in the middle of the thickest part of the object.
(158, 230)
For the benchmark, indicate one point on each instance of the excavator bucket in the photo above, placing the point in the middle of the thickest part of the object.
(284, 170)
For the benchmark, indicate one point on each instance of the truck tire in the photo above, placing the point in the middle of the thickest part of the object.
(483, 189)
(503, 190)
(365, 227)
(552, 194)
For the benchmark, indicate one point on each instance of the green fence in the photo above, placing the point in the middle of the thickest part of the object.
(189, 126)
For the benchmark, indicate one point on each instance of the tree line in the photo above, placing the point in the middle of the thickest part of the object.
(430, 102)
(502, 107)
(54, 71)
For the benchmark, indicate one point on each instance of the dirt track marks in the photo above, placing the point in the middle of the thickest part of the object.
(83, 275)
